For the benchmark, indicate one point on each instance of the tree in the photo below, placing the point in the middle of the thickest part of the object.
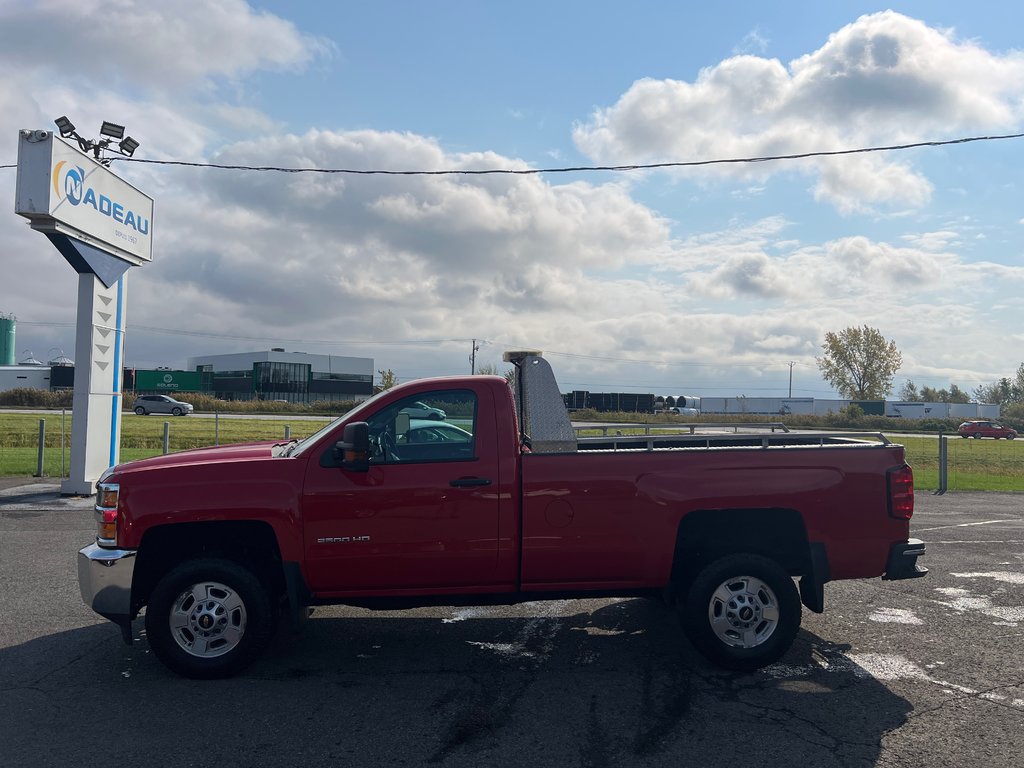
(909, 393)
(859, 362)
(957, 395)
(1000, 392)
(489, 369)
(388, 379)
(952, 395)
(1006, 391)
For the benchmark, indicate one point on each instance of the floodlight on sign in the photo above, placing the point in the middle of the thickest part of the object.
(128, 146)
(65, 126)
(113, 130)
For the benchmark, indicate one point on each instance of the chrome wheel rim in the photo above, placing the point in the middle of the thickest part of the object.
(743, 612)
(207, 620)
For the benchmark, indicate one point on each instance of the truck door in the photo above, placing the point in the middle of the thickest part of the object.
(426, 514)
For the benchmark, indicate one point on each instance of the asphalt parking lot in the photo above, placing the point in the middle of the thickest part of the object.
(927, 672)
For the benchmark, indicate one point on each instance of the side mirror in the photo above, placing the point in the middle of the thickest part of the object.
(354, 447)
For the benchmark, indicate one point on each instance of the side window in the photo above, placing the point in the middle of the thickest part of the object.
(433, 426)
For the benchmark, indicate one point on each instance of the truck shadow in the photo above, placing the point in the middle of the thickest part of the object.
(590, 683)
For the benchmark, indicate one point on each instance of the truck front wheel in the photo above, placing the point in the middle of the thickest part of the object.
(742, 611)
(208, 618)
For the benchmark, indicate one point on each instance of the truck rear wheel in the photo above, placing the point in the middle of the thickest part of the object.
(742, 611)
(208, 618)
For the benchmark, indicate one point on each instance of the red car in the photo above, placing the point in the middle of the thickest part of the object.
(980, 429)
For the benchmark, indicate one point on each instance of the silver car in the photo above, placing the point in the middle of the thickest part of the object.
(147, 404)
(420, 410)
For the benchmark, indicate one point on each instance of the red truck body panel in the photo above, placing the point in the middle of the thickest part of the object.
(229, 483)
(609, 519)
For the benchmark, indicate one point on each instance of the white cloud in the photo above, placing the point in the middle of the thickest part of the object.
(850, 266)
(884, 79)
(140, 46)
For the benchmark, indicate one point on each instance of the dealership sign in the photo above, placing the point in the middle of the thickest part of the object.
(62, 190)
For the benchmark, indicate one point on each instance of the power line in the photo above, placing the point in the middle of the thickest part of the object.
(569, 169)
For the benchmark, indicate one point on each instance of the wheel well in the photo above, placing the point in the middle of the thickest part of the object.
(249, 543)
(708, 534)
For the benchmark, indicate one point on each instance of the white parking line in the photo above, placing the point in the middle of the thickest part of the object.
(968, 525)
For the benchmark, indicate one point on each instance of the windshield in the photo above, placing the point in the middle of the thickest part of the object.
(313, 439)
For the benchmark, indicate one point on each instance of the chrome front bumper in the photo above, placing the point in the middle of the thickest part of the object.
(105, 580)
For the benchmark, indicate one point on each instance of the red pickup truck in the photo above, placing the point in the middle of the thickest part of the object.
(469, 491)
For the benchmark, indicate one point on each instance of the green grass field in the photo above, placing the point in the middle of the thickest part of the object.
(974, 465)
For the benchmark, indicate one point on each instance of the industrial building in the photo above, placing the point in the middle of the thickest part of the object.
(295, 377)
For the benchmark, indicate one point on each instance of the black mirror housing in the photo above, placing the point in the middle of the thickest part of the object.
(354, 447)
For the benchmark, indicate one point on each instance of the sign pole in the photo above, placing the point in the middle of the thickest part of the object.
(99, 352)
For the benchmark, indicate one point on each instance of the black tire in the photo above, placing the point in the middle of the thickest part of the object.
(220, 596)
(175, 411)
(742, 612)
(140, 411)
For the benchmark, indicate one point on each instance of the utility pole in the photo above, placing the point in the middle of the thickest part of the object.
(791, 364)
(472, 358)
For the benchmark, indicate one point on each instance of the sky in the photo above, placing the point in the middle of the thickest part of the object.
(714, 280)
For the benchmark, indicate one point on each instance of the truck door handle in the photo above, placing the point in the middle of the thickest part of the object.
(469, 482)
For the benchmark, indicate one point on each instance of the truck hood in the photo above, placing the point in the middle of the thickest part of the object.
(210, 455)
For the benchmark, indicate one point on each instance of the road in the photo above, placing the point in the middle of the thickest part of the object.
(916, 673)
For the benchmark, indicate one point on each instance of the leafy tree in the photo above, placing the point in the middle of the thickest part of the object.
(909, 393)
(1006, 391)
(1000, 392)
(859, 362)
(952, 395)
(489, 369)
(957, 395)
(388, 379)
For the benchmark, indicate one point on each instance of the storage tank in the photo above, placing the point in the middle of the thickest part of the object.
(7, 325)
